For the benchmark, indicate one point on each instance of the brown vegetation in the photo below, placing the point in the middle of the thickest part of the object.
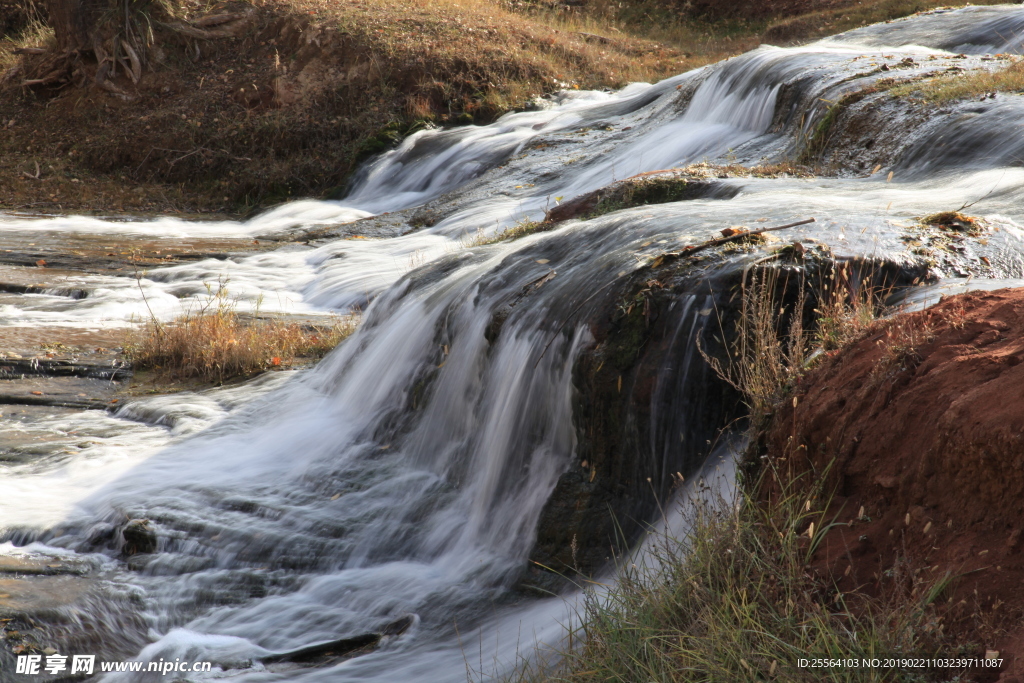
(973, 84)
(213, 343)
(290, 105)
(240, 104)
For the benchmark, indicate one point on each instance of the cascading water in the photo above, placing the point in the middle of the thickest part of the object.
(406, 473)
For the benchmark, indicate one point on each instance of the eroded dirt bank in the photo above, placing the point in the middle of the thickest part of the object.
(919, 430)
(283, 100)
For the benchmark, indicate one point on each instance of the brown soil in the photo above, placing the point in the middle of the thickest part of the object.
(773, 9)
(920, 424)
(289, 105)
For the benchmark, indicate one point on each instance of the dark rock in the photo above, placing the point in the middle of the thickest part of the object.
(330, 652)
(138, 537)
(648, 407)
(101, 534)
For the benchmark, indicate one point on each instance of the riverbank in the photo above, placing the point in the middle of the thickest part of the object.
(880, 507)
(287, 99)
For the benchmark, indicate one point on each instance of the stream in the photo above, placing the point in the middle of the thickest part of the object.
(405, 475)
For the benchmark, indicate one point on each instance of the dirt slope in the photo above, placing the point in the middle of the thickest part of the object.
(288, 103)
(921, 425)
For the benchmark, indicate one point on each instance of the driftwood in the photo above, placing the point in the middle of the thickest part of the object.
(339, 648)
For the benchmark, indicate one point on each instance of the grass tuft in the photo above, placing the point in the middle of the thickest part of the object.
(732, 598)
(521, 229)
(213, 343)
(775, 342)
(968, 84)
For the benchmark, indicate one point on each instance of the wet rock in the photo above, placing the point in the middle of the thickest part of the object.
(334, 651)
(648, 407)
(54, 605)
(11, 368)
(101, 534)
(651, 188)
(138, 537)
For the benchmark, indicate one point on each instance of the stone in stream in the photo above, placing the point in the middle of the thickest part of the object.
(138, 537)
(648, 407)
(330, 652)
(56, 605)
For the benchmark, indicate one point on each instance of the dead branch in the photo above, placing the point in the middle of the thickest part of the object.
(136, 64)
(30, 176)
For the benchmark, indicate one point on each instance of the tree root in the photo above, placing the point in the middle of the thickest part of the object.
(114, 49)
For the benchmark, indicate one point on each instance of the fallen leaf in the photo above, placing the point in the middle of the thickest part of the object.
(37, 393)
(41, 263)
(542, 261)
(276, 360)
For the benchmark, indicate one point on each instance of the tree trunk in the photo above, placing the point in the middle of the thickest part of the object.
(73, 22)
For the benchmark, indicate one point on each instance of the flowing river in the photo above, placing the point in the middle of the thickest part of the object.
(406, 473)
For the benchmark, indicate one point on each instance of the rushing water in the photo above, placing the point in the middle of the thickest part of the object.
(406, 473)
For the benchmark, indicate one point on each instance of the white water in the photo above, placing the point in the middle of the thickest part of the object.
(406, 473)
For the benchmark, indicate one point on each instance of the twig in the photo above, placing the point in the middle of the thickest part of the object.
(138, 281)
(967, 206)
(733, 238)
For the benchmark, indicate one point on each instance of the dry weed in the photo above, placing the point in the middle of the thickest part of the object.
(211, 342)
(901, 338)
(773, 341)
(513, 232)
(970, 84)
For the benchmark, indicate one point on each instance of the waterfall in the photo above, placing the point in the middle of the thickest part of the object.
(407, 473)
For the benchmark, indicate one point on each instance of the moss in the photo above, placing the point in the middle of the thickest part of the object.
(822, 135)
(513, 232)
(648, 191)
(630, 335)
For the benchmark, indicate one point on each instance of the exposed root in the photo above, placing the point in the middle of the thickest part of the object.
(118, 49)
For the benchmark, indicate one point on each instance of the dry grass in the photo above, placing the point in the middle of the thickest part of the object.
(732, 599)
(770, 347)
(969, 84)
(211, 342)
(900, 340)
(774, 343)
(513, 232)
(293, 106)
